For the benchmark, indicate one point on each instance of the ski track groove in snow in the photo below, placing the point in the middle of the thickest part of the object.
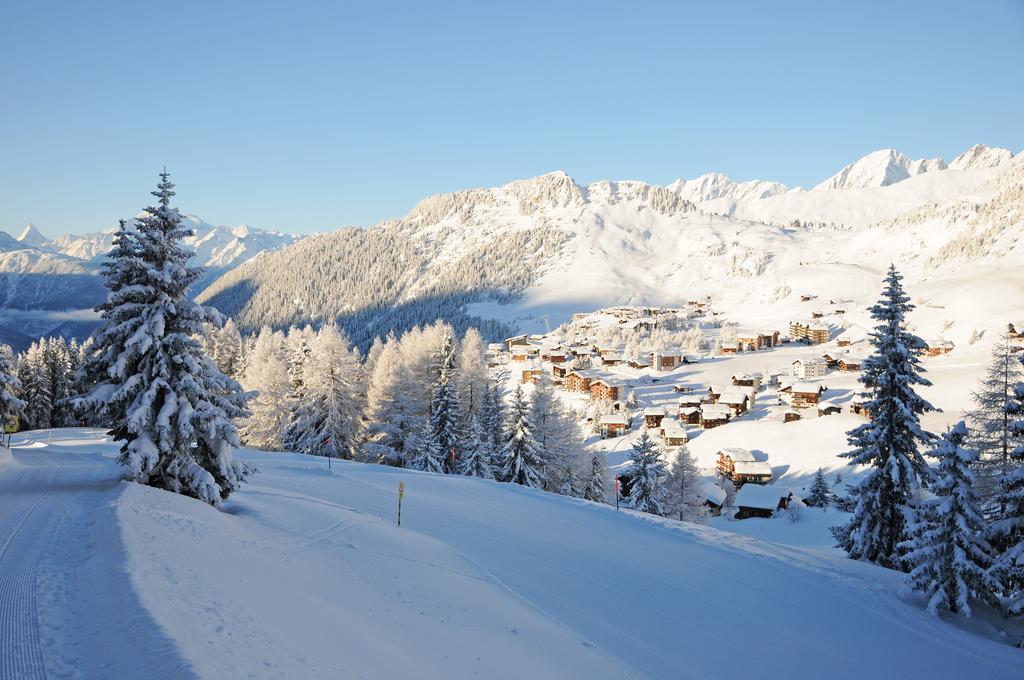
(21, 650)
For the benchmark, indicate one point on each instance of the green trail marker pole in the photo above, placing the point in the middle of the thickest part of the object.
(401, 494)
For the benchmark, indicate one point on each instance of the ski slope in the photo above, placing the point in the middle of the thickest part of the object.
(304, 574)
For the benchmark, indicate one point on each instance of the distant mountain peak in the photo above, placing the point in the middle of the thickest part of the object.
(880, 169)
(31, 236)
(981, 156)
(714, 185)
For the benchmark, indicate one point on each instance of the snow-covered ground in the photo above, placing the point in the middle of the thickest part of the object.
(303, 573)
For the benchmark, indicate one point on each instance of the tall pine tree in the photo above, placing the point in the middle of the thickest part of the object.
(889, 442)
(948, 554)
(646, 473)
(168, 403)
(596, 486)
(522, 459)
(11, 406)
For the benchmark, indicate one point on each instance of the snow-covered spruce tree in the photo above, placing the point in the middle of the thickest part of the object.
(58, 362)
(821, 493)
(595, 488)
(948, 554)
(167, 402)
(683, 491)
(386, 424)
(10, 387)
(996, 408)
(266, 374)
(492, 424)
(476, 451)
(646, 472)
(522, 459)
(36, 387)
(471, 373)
(327, 420)
(443, 430)
(1006, 531)
(889, 442)
(572, 484)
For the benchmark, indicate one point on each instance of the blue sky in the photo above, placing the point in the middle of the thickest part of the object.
(309, 116)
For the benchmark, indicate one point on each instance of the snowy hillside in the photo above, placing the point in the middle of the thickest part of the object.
(531, 252)
(304, 574)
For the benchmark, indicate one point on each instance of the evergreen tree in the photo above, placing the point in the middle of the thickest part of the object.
(443, 438)
(386, 424)
(996, 408)
(476, 459)
(646, 472)
(10, 405)
(522, 460)
(821, 493)
(167, 402)
(1006, 532)
(37, 391)
(327, 420)
(58, 362)
(571, 483)
(596, 485)
(683, 490)
(889, 442)
(266, 373)
(492, 424)
(948, 554)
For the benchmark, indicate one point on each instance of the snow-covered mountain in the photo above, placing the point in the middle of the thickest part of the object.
(533, 251)
(880, 169)
(39, 274)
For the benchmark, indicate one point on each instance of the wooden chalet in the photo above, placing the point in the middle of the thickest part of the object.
(559, 370)
(761, 501)
(858, 405)
(740, 466)
(730, 348)
(690, 415)
(715, 391)
(1012, 333)
(812, 333)
(602, 388)
(736, 400)
(665, 361)
(714, 415)
(804, 395)
(828, 408)
(614, 425)
(530, 375)
(752, 341)
(673, 434)
(747, 380)
(790, 416)
(638, 363)
(611, 359)
(515, 341)
(831, 359)
(653, 415)
(849, 363)
(692, 400)
(579, 381)
(937, 347)
(520, 353)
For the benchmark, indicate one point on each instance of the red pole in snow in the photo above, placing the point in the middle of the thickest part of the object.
(616, 492)
(453, 460)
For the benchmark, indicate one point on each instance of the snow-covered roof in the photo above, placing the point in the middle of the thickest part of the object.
(734, 397)
(713, 492)
(756, 467)
(761, 497)
(853, 334)
(715, 411)
(738, 454)
(807, 388)
(811, 361)
(588, 373)
(654, 411)
(674, 431)
(614, 419)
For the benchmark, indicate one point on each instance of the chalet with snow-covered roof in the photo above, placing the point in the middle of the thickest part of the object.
(761, 501)
(858, 405)
(740, 466)
(614, 425)
(747, 380)
(559, 370)
(938, 346)
(690, 415)
(690, 400)
(805, 395)
(730, 348)
(810, 367)
(849, 363)
(808, 331)
(531, 375)
(790, 416)
(665, 360)
(653, 415)
(828, 408)
(611, 359)
(851, 335)
(519, 353)
(515, 341)
(714, 415)
(752, 341)
(638, 363)
(603, 388)
(673, 434)
(715, 392)
(736, 399)
(579, 381)
(831, 358)
(1012, 333)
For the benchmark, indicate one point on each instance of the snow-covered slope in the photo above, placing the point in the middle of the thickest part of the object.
(304, 574)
